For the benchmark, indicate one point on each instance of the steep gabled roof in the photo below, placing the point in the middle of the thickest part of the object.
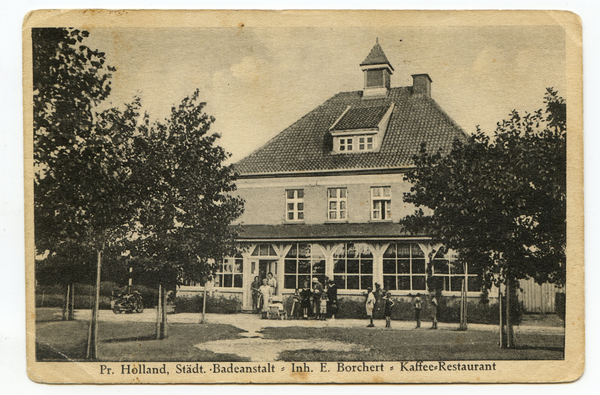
(376, 56)
(305, 146)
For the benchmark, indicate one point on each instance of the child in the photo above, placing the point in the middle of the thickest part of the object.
(295, 313)
(389, 303)
(323, 306)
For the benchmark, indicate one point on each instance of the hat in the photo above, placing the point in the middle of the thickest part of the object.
(315, 280)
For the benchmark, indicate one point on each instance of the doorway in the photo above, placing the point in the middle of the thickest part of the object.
(265, 267)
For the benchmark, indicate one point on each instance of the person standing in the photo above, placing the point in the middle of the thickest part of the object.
(369, 306)
(317, 292)
(434, 311)
(417, 306)
(255, 294)
(323, 307)
(272, 283)
(389, 303)
(332, 301)
(305, 295)
(379, 302)
(265, 292)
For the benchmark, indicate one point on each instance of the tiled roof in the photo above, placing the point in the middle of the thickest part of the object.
(361, 118)
(305, 146)
(376, 56)
(324, 231)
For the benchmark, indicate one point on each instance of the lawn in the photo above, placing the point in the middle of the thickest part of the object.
(131, 341)
(416, 345)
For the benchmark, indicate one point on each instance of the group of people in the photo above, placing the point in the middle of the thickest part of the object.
(375, 304)
(321, 302)
(262, 295)
(318, 301)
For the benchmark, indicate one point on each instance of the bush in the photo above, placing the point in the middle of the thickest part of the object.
(214, 304)
(81, 301)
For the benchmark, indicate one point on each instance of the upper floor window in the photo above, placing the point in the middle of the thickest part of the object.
(229, 274)
(381, 198)
(337, 201)
(347, 144)
(356, 143)
(294, 204)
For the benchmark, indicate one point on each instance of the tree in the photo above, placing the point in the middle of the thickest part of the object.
(185, 209)
(500, 202)
(82, 158)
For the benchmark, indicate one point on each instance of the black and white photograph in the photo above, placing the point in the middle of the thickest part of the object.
(303, 197)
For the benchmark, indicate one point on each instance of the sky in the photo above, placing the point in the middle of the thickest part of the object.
(259, 80)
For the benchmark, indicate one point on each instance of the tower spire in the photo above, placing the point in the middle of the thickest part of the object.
(377, 70)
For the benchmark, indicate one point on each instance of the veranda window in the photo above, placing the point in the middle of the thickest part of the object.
(452, 271)
(404, 267)
(353, 266)
(302, 263)
(230, 274)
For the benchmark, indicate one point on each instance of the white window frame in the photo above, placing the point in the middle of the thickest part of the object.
(449, 275)
(412, 275)
(314, 257)
(294, 205)
(381, 203)
(347, 144)
(229, 267)
(337, 205)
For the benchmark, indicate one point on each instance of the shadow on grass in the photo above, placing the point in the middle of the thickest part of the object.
(131, 339)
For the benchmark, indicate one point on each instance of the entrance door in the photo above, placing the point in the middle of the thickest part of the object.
(265, 267)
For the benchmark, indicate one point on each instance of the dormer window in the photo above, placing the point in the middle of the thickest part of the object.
(360, 129)
(346, 144)
(356, 144)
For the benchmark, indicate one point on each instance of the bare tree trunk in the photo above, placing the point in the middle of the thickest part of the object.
(463, 306)
(71, 313)
(203, 320)
(508, 342)
(161, 314)
(501, 326)
(92, 350)
(158, 313)
(164, 326)
(65, 312)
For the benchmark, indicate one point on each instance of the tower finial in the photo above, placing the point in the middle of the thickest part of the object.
(377, 40)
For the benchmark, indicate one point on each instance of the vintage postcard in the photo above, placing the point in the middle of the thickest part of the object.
(303, 196)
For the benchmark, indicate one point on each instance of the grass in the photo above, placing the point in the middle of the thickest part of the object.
(131, 342)
(413, 345)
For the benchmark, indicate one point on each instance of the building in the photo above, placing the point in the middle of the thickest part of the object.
(324, 197)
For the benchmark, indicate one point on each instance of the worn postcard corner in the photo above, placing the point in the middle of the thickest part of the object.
(303, 196)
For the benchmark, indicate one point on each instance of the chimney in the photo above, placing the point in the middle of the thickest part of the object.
(421, 84)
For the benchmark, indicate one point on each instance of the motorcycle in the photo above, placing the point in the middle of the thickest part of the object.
(128, 303)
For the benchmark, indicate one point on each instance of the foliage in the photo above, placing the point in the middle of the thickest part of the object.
(185, 208)
(500, 202)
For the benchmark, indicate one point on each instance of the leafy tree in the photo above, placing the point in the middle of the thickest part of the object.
(186, 207)
(81, 194)
(500, 201)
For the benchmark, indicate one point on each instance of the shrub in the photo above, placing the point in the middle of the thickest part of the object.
(214, 304)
